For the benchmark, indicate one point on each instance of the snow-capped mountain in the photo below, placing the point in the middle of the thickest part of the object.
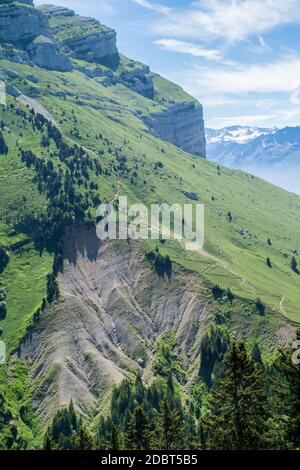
(238, 134)
(273, 154)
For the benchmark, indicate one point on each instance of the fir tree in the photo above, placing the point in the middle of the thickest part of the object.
(237, 411)
(289, 393)
(169, 432)
(294, 265)
(137, 436)
(84, 440)
(3, 146)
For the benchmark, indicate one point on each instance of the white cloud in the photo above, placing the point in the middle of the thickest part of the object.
(184, 47)
(154, 6)
(231, 20)
(274, 77)
(251, 120)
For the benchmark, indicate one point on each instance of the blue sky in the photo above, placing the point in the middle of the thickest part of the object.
(240, 58)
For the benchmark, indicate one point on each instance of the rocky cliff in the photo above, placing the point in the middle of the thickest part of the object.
(139, 80)
(85, 37)
(181, 124)
(20, 23)
(25, 29)
(55, 38)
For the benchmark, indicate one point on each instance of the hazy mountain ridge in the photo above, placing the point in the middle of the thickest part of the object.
(273, 154)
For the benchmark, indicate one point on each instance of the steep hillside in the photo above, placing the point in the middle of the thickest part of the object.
(112, 310)
(272, 154)
(75, 137)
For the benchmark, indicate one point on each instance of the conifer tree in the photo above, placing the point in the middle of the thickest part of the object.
(237, 411)
(169, 433)
(84, 440)
(294, 265)
(3, 146)
(289, 392)
(137, 436)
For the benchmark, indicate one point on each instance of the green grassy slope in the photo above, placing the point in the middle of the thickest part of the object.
(235, 252)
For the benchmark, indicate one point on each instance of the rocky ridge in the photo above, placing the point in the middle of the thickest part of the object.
(55, 38)
(25, 36)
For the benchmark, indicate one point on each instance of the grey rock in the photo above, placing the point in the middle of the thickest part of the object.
(46, 53)
(12, 90)
(55, 10)
(94, 46)
(12, 74)
(21, 24)
(139, 81)
(32, 78)
(12, 54)
(180, 124)
(191, 195)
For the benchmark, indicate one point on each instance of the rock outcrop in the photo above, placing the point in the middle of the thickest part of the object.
(139, 80)
(46, 53)
(55, 10)
(181, 124)
(85, 37)
(21, 23)
(25, 36)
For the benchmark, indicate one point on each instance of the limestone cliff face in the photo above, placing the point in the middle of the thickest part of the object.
(26, 29)
(94, 46)
(21, 24)
(85, 37)
(47, 54)
(139, 80)
(181, 124)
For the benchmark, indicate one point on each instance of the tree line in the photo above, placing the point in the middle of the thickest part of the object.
(249, 406)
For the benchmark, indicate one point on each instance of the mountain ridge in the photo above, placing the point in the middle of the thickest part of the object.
(77, 138)
(273, 154)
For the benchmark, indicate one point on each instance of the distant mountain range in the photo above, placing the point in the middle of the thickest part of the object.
(272, 154)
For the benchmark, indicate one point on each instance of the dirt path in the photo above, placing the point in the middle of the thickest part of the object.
(281, 308)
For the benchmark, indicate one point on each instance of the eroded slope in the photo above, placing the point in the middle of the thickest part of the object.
(112, 309)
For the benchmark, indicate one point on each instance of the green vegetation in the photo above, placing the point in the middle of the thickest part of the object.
(237, 413)
(72, 141)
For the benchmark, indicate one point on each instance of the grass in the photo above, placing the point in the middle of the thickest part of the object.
(235, 252)
(69, 27)
(24, 281)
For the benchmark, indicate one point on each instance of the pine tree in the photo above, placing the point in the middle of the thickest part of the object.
(3, 146)
(49, 444)
(137, 436)
(237, 410)
(289, 393)
(294, 265)
(256, 355)
(269, 263)
(115, 437)
(169, 432)
(84, 440)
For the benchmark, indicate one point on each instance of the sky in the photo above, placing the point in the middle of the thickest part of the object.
(239, 58)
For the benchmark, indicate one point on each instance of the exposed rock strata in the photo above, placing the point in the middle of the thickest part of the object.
(111, 312)
(181, 124)
(140, 81)
(25, 36)
(20, 25)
